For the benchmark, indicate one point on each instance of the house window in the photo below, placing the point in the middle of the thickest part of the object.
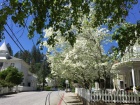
(29, 84)
(12, 64)
(1, 64)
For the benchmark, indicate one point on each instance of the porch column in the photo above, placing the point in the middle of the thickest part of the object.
(96, 85)
(114, 89)
(133, 79)
(118, 82)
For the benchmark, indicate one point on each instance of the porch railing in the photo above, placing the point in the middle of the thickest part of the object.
(108, 96)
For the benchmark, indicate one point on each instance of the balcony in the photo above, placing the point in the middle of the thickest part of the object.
(132, 54)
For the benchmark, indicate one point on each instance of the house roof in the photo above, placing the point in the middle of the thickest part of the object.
(126, 66)
(4, 48)
(4, 53)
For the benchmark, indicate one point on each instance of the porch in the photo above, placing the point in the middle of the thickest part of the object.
(128, 76)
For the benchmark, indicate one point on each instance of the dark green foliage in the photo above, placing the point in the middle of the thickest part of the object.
(3, 74)
(43, 72)
(36, 55)
(44, 13)
(14, 76)
(114, 13)
(4, 83)
(47, 88)
(48, 13)
(126, 36)
(10, 76)
(26, 56)
(10, 49)
(113, 9)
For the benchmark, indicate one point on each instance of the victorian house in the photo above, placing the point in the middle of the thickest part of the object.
(129, 69)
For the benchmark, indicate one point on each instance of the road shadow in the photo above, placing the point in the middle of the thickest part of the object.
(74, 97)
(75, 103)
(5, 96)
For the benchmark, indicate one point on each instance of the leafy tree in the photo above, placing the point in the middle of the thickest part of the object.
(44, 13)
(114, 15)
(14, 76)
(11, 75)
(63, 15)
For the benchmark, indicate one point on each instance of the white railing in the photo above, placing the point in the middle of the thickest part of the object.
(107, 96)
(5, 90)
(25, 88)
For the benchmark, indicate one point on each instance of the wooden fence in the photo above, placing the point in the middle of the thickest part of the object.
(108, 96)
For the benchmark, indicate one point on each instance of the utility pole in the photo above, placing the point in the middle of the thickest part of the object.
(44, 66)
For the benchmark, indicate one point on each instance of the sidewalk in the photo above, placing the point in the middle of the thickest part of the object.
(71, 99)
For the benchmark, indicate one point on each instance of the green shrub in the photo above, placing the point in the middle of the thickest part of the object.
(4, 83)
(138, 88)
(47, 88)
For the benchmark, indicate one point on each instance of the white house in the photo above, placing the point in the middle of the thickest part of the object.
(129, 69)
(6, 60)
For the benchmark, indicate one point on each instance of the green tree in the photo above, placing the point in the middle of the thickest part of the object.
(25, 55)
(10, 49)
(115, 14)
(14, 76)
(44, 13)
(36, 54)
(11, 75)
(44, 72)
(63, 15)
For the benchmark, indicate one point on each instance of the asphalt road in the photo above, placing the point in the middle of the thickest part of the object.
(32, 98)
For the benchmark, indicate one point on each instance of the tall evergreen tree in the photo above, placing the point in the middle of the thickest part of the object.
(26, 56)
(10, 49)
(18, 54)
(36, 54)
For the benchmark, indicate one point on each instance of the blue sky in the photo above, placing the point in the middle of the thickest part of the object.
(134, 15)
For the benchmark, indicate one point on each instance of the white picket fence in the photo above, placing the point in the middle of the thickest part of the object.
(108, 96)
(5, 90)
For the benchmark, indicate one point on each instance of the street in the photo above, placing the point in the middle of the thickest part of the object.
(32, 98)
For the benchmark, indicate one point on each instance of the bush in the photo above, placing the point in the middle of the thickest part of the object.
(47, 88)
(138, 88)
(10, 76)
(4, 83)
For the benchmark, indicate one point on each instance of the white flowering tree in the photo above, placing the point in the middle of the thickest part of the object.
(86, 61)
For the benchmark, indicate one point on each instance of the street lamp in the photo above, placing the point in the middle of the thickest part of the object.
(67, 84)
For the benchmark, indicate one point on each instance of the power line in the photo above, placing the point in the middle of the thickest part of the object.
(13, 39)
(15, 36)
(28, 31)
